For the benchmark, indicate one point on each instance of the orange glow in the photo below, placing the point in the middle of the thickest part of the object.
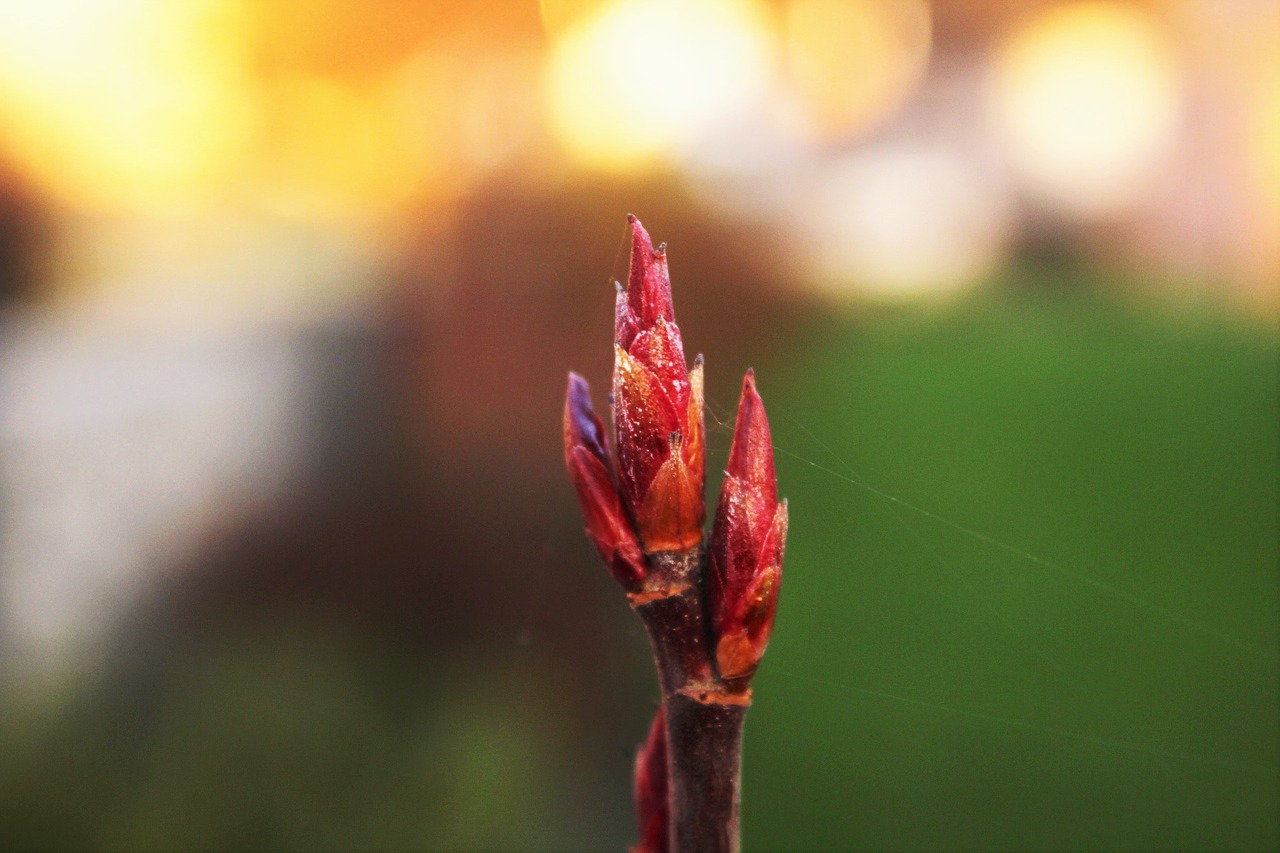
(1262, 151)
(640, 80)
(560, 16)
(1265, 137)
(1088, 99)
(854, 62)
(128, 104)
(299, 108)
(331, 147)
(328, 146)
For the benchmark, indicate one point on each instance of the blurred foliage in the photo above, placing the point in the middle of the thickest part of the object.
(299, 739)
(1114, 685)
(1069, 644)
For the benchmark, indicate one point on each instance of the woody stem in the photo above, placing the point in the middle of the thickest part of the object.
(704, 719)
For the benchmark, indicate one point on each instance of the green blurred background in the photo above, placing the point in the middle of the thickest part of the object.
(1113, 685)
(288, 292)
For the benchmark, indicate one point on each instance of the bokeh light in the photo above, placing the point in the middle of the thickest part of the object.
(1088, 99)
(639, 80)
(853, 62)
(125, 105)
(1265, 135)
(318, 113)
(904, 222)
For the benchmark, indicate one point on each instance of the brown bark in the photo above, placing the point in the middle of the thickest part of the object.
(704, 717)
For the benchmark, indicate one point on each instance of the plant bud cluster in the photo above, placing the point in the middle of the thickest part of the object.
(649, 498)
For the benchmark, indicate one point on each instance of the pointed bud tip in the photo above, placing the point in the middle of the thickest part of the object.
(638, 233)
(578, 394)
(750, 403)
(582, 427)
(751, 454)
(698, 362)
(648, 285)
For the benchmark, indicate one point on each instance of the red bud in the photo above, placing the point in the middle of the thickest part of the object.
(657, 407)
(648, 281)
(751, 454)
(587, 458)
(651, 789)
(747, 541)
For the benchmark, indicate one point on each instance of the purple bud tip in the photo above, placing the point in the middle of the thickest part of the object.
(586, 427)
